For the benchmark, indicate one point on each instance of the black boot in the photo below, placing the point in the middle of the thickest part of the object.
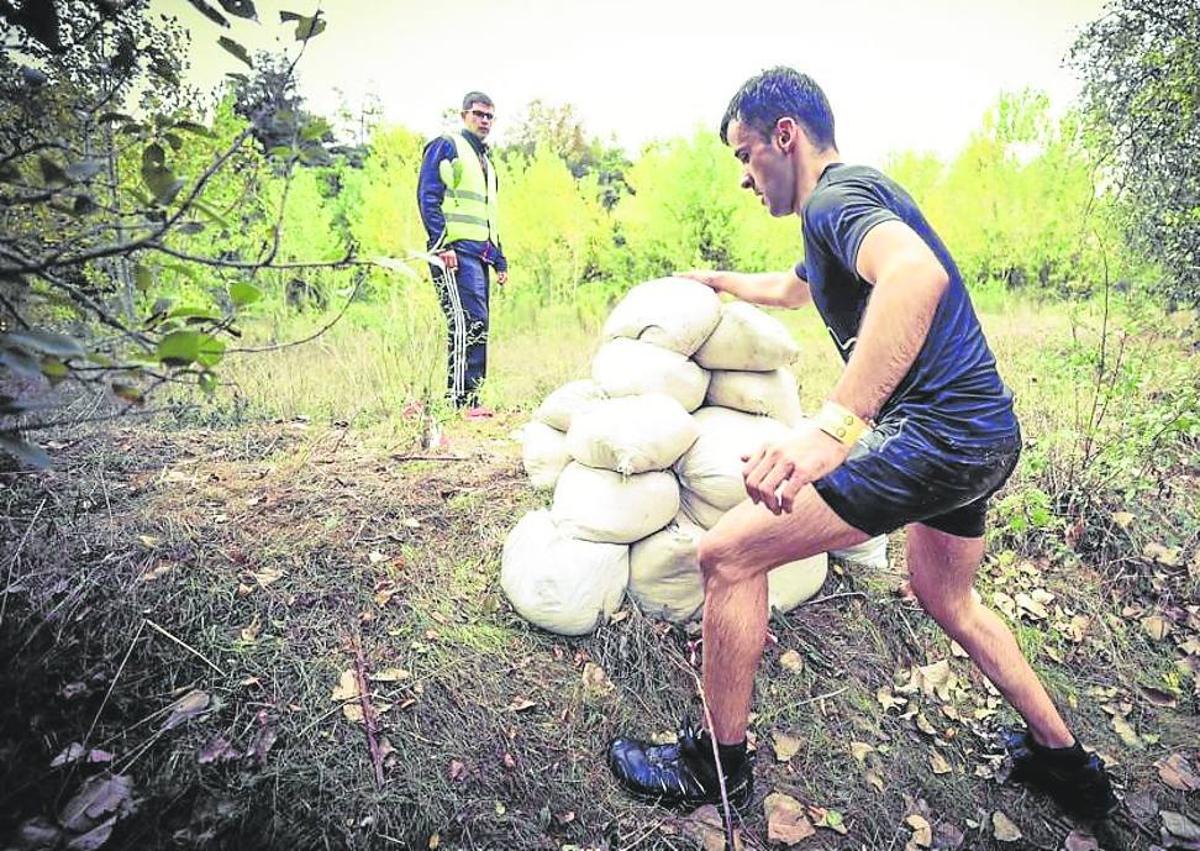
(1074, 778)
(682, 774)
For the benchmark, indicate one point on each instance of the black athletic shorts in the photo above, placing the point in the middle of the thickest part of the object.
(912, 469)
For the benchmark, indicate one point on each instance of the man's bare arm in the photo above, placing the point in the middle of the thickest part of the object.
(908, 282)
(773, 289)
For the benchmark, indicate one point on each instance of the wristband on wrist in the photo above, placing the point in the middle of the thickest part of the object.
(840, 423)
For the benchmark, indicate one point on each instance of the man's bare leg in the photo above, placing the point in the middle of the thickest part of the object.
(942, 570)
(735, 556)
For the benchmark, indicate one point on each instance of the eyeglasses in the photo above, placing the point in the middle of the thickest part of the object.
(479, 113)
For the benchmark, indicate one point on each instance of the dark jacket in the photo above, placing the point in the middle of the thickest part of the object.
(431, 190)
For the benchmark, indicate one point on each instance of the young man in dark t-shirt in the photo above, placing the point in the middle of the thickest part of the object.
(939, 437)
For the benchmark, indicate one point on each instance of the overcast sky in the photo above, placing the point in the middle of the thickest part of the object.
(900, 74)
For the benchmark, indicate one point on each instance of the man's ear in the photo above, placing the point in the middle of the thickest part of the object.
(786, 133)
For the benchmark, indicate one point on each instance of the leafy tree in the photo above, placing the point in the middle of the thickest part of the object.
(559, 130)
(1140, 66)
(95, 204)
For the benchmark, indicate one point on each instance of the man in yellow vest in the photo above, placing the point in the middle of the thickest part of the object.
(457, 193)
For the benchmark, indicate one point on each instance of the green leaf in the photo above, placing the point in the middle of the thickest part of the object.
(23, 450)
(208, 382)
(193, 127)
(187, 312)
(45, 342)
(210, 13)
(211, 350)
(236, 49)
(174, 141)
(142, 277)
(211, 214)
(54, 369)
(114, 118)
(243, 293)
(179, 348)
(159, 179)
(306, 27)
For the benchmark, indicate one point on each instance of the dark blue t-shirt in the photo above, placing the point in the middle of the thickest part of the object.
(953, 379)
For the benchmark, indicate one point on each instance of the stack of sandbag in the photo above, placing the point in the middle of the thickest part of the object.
(646, 454)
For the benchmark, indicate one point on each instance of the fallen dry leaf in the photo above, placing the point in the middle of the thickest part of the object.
(347, 687)
(99, 797)
(1177, 773)
(787, 822)
(785, 746)
(595, 678)
(791, 661)
(267, 576)
(389, 675)
(1077, 840)
(1003, 828)
(1122, 518)
(933, 680)
(859, 751)
(938, 764)
(457, 771)
(94, 838)
(922, 832)
(1125, 730)
(264, 739)
(520, 704)
(1166, 556)
(217, 749)
(1180, 826)
(186, 708)
(1156, 626)
(1030, 607)
(706, 826)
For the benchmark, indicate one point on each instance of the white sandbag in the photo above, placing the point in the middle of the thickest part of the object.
(544, 453)
(664, 572)
(772, 393)
(600, 505)
(674, 313)
(560, 583)
(871, 552)
(631, 367)
(697, 510)
(791, 584)
(559, 408)
(747, 338)
(632, 434)
(712, 468)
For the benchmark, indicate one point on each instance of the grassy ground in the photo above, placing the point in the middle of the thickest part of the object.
(256, 564)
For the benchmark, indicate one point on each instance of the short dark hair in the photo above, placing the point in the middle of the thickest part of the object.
(779, 92)
(476, 97)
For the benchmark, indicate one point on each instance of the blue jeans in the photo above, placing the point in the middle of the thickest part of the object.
(463, 295)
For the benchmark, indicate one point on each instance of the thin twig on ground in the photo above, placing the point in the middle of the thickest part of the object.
(370, 721)
(185, 646)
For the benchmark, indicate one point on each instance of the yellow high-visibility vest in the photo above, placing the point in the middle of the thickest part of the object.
(470, 205)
